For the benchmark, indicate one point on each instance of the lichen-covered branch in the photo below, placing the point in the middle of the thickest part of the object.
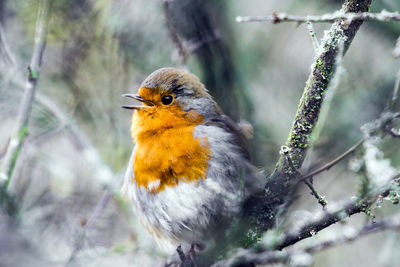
(391, 223)
(21, 127)
(383, 181)
(286, 171)
(244, 256)
(326, 219)
(283, 17)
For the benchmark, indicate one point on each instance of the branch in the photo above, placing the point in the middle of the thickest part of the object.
(6, 54)
(283, 17)
(101, 171)
(356, 205)
(183, 55)
(321, 199)
(21, 127)
(286, 171)
(325, 219)
(333, 162)
(391, 223)
(244, 256)
(101, 205)
(313, 36)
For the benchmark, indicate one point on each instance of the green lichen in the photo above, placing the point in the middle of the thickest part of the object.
(339, 36)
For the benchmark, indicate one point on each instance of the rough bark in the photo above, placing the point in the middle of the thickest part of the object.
(285, 175)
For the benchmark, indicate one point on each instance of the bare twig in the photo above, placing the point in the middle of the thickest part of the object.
(21, 127)
(314, 192)
(8, 57)
(101, 205)
(333, 162)
(395, 95)
(72, 130)
(283, 17)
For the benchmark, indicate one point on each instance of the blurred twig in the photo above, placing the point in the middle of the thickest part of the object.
(313, 36)
(183, 54)
(329, 165)
(201, 27)
(331, 17)
(101, 205)
(21, 127)
(6, 54)
(67, 124)
(395, 95)
(321, 199)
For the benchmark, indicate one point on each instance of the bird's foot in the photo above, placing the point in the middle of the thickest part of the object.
(188, 259)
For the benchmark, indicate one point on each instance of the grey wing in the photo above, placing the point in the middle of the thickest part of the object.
(232, 127)
(128, 175)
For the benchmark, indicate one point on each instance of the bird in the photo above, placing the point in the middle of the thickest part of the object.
(190, 170)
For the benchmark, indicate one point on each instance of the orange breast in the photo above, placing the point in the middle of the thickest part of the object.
(166, 151)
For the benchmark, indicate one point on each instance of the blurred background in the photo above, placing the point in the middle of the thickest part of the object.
(79, 138)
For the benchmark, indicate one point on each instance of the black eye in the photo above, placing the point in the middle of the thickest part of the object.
(166, 100)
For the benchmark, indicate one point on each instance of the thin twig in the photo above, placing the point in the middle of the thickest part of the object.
(395, 95)
(21, 127)
(8, 57)
(333, 162)
(101, 205)
(314, 192)
(283, 17)
(68, 125)
(313, 36)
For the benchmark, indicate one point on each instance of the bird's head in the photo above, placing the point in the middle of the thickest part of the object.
(170, 98)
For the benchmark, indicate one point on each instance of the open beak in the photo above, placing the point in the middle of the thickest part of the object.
(138, 98)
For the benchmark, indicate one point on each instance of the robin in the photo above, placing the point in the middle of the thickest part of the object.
(190, 169)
